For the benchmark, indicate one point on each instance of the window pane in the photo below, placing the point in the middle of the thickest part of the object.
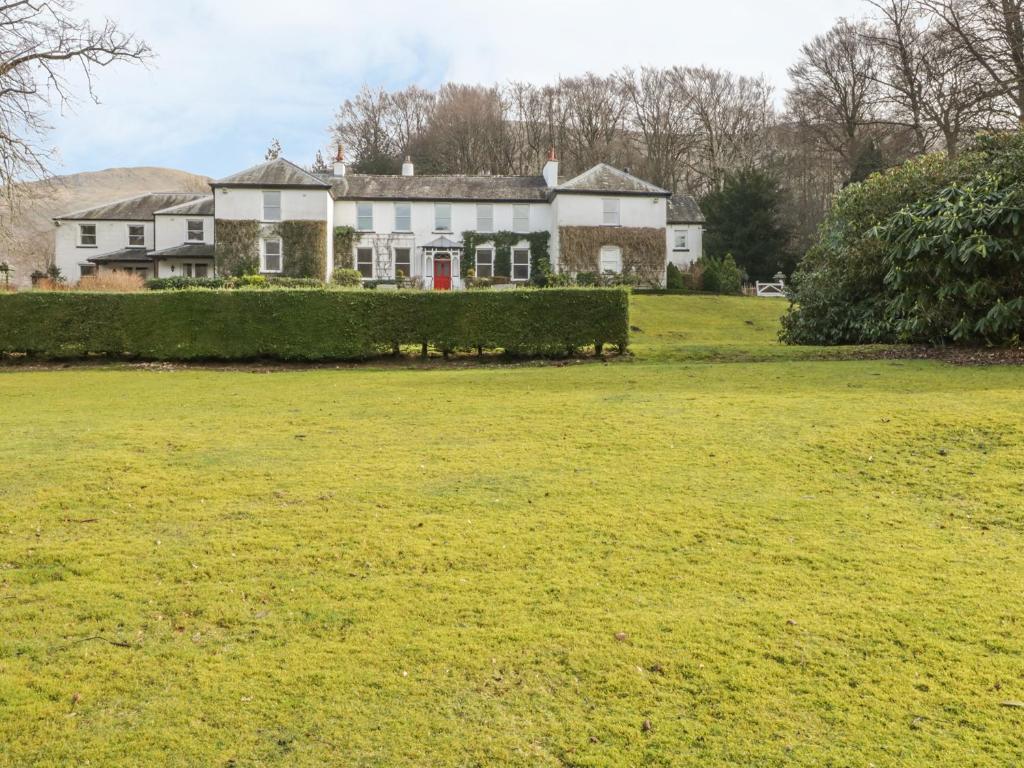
(364, 261)
(272, 206)
(272, 255)
(364, 217)
(485, 262)
(403, 262)
(87, 234)
(521, 218)
(202, 270)
(521, 264)
(443, 217)
(403, 217)
(485, 217)
(611, 212)
(195, 229)
(136, 236)
(611, 259)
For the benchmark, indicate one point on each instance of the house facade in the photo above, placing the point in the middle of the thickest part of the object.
(435, 230)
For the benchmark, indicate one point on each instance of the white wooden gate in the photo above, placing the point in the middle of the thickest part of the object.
(776, 290)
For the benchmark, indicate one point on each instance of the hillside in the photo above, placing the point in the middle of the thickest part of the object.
(32, 231)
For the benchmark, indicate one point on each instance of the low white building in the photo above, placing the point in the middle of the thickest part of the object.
(436, 230)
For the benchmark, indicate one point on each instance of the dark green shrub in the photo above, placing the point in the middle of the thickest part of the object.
(347, 277)
(184, 283)
(307, 324)
(674, 278)
(721, 275)
(884, 268)
(295, 282)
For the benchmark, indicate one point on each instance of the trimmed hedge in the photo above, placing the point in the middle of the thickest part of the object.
(308, 324)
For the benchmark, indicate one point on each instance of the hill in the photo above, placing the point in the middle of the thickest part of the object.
(31, 228)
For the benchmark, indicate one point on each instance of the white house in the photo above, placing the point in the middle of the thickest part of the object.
(407, 225)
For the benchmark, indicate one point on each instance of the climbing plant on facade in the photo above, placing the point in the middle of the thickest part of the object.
(503, 243)
(643, 250)
(237, 251)
(304, 244)
(345, 239)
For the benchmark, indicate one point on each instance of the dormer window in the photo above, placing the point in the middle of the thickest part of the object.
(136, 236)
(272, 205)
(194, 231)
(87, 235)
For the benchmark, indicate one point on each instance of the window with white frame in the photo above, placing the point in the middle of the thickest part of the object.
(485, 262)
(364, 262)
(611, 211)
(272, 205)
(611, 259)
(273, 256)
(403, 217)
(520, 264)
(403, 262)
(87, 235)
(443, 217)
(194, 230)
(136, 236)
(484, 217)
(682, 240)
(364, 217)
(521, 218)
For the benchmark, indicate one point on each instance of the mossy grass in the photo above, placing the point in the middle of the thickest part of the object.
(659, 563)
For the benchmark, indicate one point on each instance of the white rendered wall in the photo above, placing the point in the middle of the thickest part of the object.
(172, 231)
(110, 236)
(695, 241)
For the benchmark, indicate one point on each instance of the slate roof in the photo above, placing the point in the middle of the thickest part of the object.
(138, 208)
(604, 179)
(497, 189)
(201, 207)
(683, 209)
(185, 251)
(273, 173)
(123, 254)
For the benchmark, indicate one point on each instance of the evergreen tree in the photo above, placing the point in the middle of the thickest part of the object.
(745, 219)
(319, 164)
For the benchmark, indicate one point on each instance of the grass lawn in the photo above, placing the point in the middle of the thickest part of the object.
(659, 562)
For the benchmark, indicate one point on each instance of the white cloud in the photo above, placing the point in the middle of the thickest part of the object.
(230, 75)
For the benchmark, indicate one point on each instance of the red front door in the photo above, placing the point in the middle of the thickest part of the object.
(442, 274)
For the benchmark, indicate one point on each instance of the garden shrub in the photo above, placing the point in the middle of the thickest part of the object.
(926, 252)
(674, 278)
(347, 277)
(305, 248)
(293, 324)
(721, 275)
(237, 251)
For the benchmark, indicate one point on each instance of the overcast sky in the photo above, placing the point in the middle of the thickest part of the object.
(230, 75)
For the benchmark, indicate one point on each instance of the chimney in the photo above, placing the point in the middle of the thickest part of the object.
(551, 169)
(407, 167)
(339, 162)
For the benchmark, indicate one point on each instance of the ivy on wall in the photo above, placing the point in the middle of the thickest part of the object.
(304, 244)
(643, 250)
(504, 242)
(345, 239)
(237, 249)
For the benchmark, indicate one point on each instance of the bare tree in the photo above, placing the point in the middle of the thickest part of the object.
(362, 126)
(408, 117)
(593, 119)
(273, 151)
(835, 90)
(42, 43)
(932, 85)
(992, 33)
(467, 134)
(658, 116)
(731, 118)
(531, 130)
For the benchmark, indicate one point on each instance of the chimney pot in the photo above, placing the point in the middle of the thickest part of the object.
(551, 169)
(407, 167)
(339, 161)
